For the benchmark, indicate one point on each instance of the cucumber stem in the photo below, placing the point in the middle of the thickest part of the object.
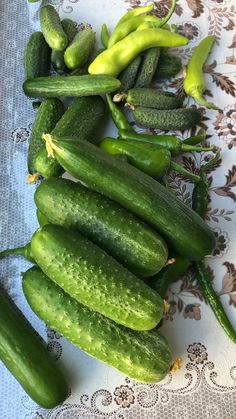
(24, 251)
(178, 168)
(119, 97)
(33, 178)
(169, 262)
(169, 14)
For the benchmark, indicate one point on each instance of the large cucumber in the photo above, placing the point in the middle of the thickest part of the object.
(138, 192)
(94, 278)
(154, 98)
(104, 222)
(52, 86)
(37, 57)
(49, 113)
(52, 28)
(26, 357)
(82, 119)
(143, 356)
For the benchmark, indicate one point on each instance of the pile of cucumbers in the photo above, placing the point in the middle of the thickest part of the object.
(100, 235)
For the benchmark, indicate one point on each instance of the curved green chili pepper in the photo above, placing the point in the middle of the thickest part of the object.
(117, 115)
(113, 60)
(105, 37)
(194, 83)
(172, 143)
(169, 274)
(137, 11)
(151, 159)
(196, 139)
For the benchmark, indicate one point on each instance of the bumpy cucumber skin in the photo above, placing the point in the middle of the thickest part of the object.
(148, 67)
(143, 356)
(27, 358)
(52, 28)
(42, 220)
(81, 120)
(115, 230)
(79, 51)
(73, 86)
(174, 119)
(168, 66)
(49, 113)
(153, 98)
(57, 58)
(187, 233)
(128, 76)
(37, 57)
(95, 279)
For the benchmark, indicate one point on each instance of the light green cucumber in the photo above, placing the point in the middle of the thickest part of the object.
(57, 58)
(94, 278)
(52, 28)
(79, 51)
(143, 356)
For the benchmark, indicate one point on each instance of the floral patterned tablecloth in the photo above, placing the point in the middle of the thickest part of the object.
(206, 384)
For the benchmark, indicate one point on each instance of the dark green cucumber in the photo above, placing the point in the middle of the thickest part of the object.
(118, 232)
(52, 28)
(57, 58)
(79, 51)
(138, 192)
(49, 113)
(148, 67)
(26, 357)
(94, 278)
(82, 120)
(174, 119)
(128, 76)
(143, 356)
(153, 98)
(42, 220)
(168, 66)
(37, 57)
(70, 86)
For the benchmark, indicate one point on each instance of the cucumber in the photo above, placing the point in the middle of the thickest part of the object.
(49, 113)
(94, 278)
(70, 86)
(148, 199)
(143, 356)
(153, 98)
(174, 119)
(57, 58)
(26, 357)
(168, 66)
(115, 230)
(79, 51)
(82, 119)
(128, 76)
(37, 57)
(84, 70)
(42, 220)
(52, 28)
(148, 67)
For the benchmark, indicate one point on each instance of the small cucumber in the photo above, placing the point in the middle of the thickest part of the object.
(168, 66)
(175, 119)
(82, 119)
(37, 57)
(84, 70)
(143, 356)
(49, 113)
(79, 51)
(153, 98)
(114, 229)
(57, 58)
(52, 28)
(70, 86)
(26, 357)
(148, 67)
(128, 76)
(188, 234)
(94, 278)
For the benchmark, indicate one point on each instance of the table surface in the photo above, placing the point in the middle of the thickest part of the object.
(205, 386)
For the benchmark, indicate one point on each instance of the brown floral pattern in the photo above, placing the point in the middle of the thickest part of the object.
(124, 396)
(197, 353)
(222, 243)
(225, 125)
(188, 30)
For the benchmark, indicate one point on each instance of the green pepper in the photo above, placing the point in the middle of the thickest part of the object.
(113, 60)
(151, 159)
(105, 35)
(194, 83)
(117, 115)
(172, 143)
(170, 273)
(136, 11)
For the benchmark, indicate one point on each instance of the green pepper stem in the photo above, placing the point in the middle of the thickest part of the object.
(211, 163)
(178, 168)
(187, 147)
(169, 14)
